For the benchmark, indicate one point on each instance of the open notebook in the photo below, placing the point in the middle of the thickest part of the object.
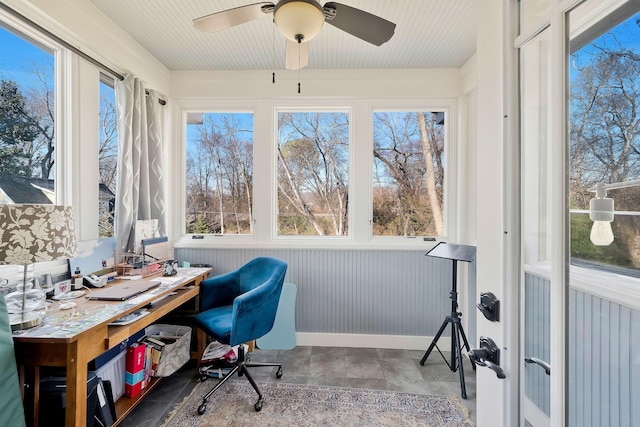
(123, 291)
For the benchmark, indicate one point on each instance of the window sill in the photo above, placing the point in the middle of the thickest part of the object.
(338, 243)
(613, 287)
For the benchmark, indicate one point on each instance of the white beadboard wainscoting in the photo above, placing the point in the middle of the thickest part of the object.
(357, 298)
(604, 356)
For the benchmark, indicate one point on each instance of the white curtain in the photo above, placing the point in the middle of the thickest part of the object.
(140, 183)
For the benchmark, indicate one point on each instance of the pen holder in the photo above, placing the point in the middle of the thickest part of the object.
(170, 268)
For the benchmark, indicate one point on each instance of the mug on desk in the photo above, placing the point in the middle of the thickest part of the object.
(170, 268)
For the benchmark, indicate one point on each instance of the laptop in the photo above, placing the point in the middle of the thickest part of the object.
(123, 291)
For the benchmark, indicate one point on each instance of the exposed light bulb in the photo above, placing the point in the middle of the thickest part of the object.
(601, 233)
(601, 213)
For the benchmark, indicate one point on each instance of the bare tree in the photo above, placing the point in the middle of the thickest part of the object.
(41, 106)
(605, 136)
(219, 177)
(313, 171)
(408, 151)
(431, 160)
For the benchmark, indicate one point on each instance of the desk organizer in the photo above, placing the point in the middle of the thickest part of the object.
(137, 265)
(176, 349)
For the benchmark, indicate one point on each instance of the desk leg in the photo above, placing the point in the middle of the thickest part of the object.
(36, 395)
(76, 412)
(201, 342)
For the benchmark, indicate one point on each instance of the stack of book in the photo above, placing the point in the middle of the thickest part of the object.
(152, 359)
(142, 362)
(135, 369)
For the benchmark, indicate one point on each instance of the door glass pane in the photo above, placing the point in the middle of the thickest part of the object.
(604, 172)
(536, 223)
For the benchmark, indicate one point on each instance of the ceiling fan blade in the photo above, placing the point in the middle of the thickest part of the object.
(231, 17)
(297, 59)
(365, 26)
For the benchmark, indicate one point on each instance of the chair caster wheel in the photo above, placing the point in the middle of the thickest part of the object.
(258, 405)
(202, 409)
(279, 373)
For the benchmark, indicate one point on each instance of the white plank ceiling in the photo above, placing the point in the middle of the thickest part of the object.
(429, 34)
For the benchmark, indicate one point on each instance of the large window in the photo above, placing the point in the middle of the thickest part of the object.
(408, 174)
(605, 150)
(107, 157)
(27, 120)
(219, 173)
(321, 173)
(313, 173)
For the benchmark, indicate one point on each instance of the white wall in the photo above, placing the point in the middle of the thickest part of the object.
(317, 83)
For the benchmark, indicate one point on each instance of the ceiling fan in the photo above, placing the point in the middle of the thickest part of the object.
(300, 21)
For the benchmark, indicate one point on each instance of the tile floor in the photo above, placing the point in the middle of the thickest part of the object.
(371, 368)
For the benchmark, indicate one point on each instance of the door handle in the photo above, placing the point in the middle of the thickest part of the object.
(487, 355)
(542, 363)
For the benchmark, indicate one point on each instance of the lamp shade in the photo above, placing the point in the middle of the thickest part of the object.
(36, 233)
(297, 18)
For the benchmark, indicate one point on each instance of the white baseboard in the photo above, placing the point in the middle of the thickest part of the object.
(400, 342)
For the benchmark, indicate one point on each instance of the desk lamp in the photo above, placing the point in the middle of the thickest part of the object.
(30, 234)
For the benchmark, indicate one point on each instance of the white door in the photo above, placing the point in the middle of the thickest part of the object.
(580, 298)
(522, 158)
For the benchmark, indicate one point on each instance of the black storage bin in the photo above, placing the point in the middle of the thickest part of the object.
(53, 399)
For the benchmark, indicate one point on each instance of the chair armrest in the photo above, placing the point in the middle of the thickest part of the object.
(219, 291)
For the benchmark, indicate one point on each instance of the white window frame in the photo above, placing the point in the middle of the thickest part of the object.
(360, 172)
(76, 86)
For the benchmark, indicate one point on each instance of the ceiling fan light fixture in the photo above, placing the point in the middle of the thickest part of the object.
(299, 18)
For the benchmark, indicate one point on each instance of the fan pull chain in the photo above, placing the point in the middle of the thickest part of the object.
(273, 54)
(299, 67)
(299, 63)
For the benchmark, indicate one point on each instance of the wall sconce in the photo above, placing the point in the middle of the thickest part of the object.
(601, 212)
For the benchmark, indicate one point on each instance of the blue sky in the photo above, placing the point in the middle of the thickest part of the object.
(626, 35)
(17, 56)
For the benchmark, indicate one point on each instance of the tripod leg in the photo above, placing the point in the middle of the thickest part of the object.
(458, 329)
(466, 345)
(455, 323)
(433, 343)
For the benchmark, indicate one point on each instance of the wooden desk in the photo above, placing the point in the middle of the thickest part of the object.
(70, 341)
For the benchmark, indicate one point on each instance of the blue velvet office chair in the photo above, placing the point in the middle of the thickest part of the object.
(238, 307)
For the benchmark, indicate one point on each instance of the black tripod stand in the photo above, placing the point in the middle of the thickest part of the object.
(458, 338)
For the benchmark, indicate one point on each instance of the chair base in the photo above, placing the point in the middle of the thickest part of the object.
(241, 369)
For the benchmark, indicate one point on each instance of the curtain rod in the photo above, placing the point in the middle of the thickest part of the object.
(66, 44)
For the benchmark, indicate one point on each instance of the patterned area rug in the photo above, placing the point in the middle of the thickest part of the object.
(304, 405)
